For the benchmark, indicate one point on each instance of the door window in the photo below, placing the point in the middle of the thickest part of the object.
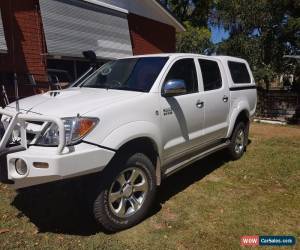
(184, 69)
(211, 74)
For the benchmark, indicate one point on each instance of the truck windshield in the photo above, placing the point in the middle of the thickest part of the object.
(133, 74)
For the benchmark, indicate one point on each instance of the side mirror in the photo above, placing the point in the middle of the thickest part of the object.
(174, 87)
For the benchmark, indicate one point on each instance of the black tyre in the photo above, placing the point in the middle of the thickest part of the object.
(127, 194)
(238, 141)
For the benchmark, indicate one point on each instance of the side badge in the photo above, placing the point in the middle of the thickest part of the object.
(168, 111)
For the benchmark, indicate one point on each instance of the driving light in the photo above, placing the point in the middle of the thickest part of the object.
(21, 167)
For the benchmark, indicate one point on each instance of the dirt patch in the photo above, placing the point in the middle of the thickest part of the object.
(213, 178)
(168, 215)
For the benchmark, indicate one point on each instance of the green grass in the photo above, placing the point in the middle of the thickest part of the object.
(208, 205)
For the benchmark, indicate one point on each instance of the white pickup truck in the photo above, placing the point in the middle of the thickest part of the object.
(135, 121)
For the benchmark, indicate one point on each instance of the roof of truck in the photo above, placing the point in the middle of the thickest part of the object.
(221, 57)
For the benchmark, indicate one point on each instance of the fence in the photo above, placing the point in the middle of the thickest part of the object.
(278, 105)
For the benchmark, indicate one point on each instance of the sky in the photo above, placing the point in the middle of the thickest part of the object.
(218, 34)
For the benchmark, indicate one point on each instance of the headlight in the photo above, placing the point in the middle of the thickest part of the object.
(75, 129)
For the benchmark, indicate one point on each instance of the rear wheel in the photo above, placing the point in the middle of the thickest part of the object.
(128, 193)
(239, 141)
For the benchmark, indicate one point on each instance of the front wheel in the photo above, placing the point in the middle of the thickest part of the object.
(238, 141)
(128, 195)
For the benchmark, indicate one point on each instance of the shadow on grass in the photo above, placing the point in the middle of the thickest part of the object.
(188, 176)
(61, 207)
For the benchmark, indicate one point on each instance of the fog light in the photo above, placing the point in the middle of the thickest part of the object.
(21, 167)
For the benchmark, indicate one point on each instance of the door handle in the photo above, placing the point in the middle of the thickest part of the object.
(200, 104)
(225, 98)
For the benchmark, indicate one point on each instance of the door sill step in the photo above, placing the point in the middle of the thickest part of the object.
(197, 157)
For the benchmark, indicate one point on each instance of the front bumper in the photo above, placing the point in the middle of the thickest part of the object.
(45, 164)
(74, 161)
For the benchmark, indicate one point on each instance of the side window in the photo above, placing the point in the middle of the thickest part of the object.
(239, 72)
(211, 74)
(184, 69)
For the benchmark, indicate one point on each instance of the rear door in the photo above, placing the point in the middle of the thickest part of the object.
(216, 100)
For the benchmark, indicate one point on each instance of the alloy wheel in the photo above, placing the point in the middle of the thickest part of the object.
(240, 142)
(128, 192)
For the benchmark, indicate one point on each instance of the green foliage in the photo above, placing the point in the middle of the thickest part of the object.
(242, 46)
(194, 15)
(261, 31)
(193, 40)
(195, 11)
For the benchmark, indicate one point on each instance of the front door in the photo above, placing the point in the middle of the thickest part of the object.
(183, 115)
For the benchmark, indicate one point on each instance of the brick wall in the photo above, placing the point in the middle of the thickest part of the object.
(25, 40)
(149, 36)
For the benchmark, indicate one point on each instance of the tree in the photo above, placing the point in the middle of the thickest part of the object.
(261, 31)
(195, 11)
(194, 15)
(194, 40)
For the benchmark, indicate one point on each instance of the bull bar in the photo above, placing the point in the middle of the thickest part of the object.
(20, 119)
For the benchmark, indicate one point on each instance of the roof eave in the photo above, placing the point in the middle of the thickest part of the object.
(179, 27)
